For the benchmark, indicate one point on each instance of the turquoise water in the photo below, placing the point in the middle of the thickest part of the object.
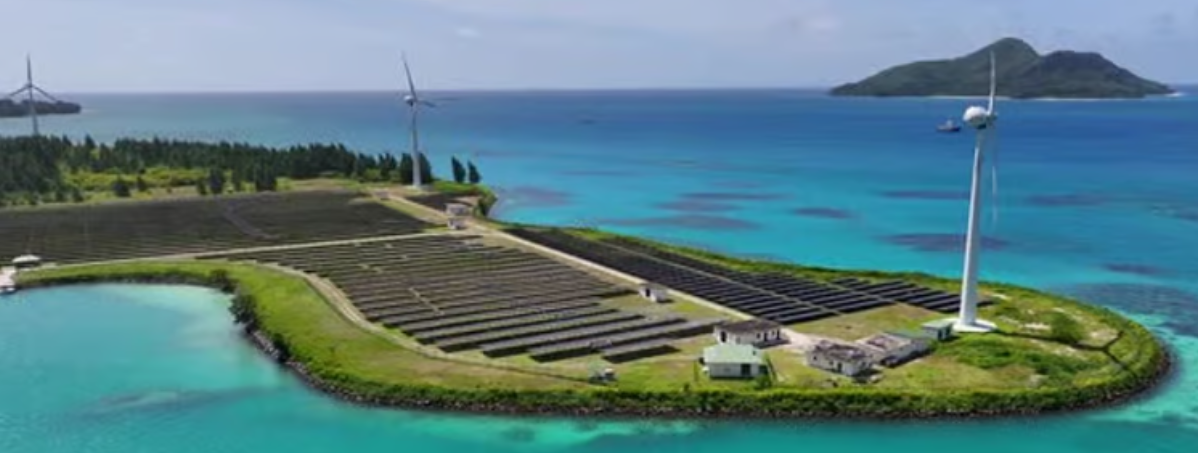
(1096, 199)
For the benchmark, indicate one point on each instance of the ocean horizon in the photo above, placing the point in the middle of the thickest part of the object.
(1096, 200)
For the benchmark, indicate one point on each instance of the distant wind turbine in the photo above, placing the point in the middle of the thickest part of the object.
(31, 89)
(984, 120)
(414, 102)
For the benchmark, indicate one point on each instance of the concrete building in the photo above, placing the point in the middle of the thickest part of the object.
(8, 280)
(457, 210)
(892, 349)
(733, 361)
(756, 332)
(456, 223)
(653, 292)
(840, 358)
(939, 330)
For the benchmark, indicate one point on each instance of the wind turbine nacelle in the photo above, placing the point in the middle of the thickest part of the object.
(977, 116)
(409, 99)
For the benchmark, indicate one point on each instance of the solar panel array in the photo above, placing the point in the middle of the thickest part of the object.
(110, 231)
(778, 297)
(458, 294)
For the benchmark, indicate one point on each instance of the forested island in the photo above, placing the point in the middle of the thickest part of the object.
(1023, 73)
(10, 109)
(58, 169)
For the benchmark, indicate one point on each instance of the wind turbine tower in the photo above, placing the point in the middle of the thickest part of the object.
(30, 90)
(415, 102)
(984, 121)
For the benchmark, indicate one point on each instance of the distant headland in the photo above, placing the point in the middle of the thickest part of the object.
(10, 109)
(1022, 74)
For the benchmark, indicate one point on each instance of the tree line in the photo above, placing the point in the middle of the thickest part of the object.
(42, 169)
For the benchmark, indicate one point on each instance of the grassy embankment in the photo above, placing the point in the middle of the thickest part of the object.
(1023, 369)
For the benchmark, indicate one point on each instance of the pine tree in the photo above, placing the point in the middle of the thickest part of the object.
(216, 181)
(426, 170)
(459, 172)
(474, 176)
(238, 179)
(201, 187)
(405, 169)
(141, 184)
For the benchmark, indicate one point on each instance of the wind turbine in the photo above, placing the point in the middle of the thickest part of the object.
(30, 89)
(414, 102)
(984, 121)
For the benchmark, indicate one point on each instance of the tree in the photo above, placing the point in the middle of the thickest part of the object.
(216, 181)
(141, 184)
(60, 195)
(405, 169)
(474, 176)
(426, 170)
(459, 172)
(238, 179)
(201, 187)
(76, 195)
(88, 143)
(120, 187)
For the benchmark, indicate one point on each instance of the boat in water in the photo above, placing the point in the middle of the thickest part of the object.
(949, 126)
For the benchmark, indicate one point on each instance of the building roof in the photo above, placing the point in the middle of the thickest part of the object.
(750, 326)
(886, 341)
(940, 323)
(732, 353)
(839, 351)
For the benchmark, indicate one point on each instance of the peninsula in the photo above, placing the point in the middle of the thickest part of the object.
(390, 296)
(10, 109)
(1023, 73)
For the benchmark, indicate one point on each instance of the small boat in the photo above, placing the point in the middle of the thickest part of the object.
(949, 127)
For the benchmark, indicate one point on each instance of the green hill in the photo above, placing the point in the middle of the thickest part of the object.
(1022, 73)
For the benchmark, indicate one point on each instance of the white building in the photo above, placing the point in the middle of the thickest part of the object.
(27, 261)
(733, 361)
(891, 349)
(456, 223)
(756, 332)
(457, 209)
(653, 292)
(8, 280)
(940, 330)
(840, 358)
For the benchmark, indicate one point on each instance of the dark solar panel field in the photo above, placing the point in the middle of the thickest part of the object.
(111, 231)
(457, 293)
(782, 298)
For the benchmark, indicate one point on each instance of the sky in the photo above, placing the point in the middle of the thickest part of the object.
(299, 45)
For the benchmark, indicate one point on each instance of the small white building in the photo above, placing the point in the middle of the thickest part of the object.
(457, 210)
(8, 280)
(653, 292)
(26, 261)
(840, 358)
(892, 349)
(756, 332)
(733, 361)
(939, 330)
(456, 223)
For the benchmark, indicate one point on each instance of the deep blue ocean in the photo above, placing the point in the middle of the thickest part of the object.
(1096, 199)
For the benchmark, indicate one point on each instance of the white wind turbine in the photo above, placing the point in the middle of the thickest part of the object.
(30, 89)
(414, 102)
(984, 120)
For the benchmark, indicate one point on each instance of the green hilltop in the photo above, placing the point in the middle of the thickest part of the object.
(1022, 73)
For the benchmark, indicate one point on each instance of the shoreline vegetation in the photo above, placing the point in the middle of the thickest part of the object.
(294, 322)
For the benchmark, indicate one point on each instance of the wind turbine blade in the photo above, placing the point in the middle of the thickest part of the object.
(29, 69)
(15, 93)
(408, 70)
(44, 93)
(427, 104)
(993, 82)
